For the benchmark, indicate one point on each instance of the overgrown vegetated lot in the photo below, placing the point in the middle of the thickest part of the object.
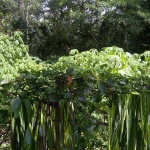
(89, 100)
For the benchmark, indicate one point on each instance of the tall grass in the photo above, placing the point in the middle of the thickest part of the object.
(128, 122)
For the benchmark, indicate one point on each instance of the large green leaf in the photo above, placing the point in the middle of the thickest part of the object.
(15, 106)
(27, 138)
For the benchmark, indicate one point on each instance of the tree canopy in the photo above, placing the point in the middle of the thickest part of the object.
(56, 27)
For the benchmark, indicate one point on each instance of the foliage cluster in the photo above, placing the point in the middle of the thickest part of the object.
(111, 68)
(14, 59)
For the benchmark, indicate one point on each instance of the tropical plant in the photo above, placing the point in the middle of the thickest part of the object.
(72, 99)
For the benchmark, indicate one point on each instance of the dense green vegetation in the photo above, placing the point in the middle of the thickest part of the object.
(76, 100)
(63, 83)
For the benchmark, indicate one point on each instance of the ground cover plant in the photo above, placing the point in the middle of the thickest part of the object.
(88, 100)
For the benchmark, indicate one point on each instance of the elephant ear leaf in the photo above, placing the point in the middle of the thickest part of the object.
(28, 137)
(15, 106)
